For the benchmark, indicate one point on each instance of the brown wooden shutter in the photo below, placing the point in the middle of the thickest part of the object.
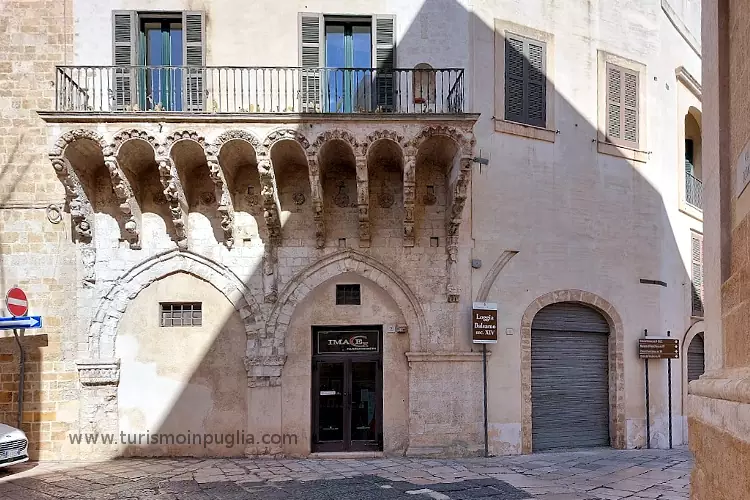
(384, 56)
(525, 81)
(311, 58)
(124, 53)
(622, 105)
(194, 57)
(696, 250)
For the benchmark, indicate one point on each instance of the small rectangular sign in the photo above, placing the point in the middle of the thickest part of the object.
(337, 341)
(20, 322)
(484, 323)
(658, 348)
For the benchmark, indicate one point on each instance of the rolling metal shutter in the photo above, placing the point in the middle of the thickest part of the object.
(695, 358)
(569, 378)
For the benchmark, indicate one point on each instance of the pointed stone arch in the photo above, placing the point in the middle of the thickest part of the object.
(616, 361)
(111, 307)
(338, 263)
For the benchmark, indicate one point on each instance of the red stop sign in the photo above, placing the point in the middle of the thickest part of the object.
(16, 302)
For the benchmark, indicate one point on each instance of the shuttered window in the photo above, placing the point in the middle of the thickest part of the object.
(132, 85)
(525, 80)
(384, 56)
(622, 106)
(697, 295)
(311, 59)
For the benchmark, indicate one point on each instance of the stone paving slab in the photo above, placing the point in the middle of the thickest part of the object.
(602, 474)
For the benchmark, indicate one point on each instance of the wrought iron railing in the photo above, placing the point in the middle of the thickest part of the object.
(225, 89)
(693, 191)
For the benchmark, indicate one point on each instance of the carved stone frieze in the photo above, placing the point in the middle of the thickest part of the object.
(98, 372)
(130, 220)
(464, 139)
(175, 199)
(336, 134)
(214, 148)
(284, 134)
(382, 134)
(454, 215)
(182, 135)
(124, 136)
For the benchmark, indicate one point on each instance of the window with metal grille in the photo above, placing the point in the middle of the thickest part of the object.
(348, 295)
(181, 314)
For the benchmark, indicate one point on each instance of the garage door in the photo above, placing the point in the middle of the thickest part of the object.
(695, 358)
(569, 378)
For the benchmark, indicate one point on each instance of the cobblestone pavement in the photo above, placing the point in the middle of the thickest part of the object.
(576, 475)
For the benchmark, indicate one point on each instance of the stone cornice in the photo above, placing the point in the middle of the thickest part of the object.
(727, 385)
(689, 81)
(227, 118)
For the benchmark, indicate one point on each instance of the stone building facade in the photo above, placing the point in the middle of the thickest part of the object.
(284, 240)
(719, 402)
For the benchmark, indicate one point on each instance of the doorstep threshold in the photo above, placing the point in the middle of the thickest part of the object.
(347, 454)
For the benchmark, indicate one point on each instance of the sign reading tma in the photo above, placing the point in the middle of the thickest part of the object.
(484, 323)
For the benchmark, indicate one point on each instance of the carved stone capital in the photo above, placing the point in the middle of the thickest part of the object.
(98, 372)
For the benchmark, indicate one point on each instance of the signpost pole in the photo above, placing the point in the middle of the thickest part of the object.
(669, 393)
(484, 370)
(22, 364)
(648, 415)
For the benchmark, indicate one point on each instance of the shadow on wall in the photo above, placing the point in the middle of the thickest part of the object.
(195, 380)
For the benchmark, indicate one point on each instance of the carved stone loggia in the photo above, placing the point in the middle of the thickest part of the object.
(316, 193)
(410, 162)
(363, 201)
(131, 221)
(269, 195)
(176, 200)
(225, 205)
(458, 193)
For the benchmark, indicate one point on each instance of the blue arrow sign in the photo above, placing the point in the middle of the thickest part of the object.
(20, 322)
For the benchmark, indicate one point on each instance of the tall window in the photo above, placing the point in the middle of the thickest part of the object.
(158, 61)
(348, 46)
(525, 81)
(161, 50)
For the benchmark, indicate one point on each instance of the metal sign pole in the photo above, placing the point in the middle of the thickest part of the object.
(669, 394)
(21, 379)
(648, 415)
(484, 370)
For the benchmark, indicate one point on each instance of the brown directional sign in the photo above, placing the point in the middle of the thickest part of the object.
(484, 323)
(658, 348)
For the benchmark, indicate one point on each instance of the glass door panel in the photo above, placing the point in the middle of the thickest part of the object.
(348, 45)
(364, 422)
(331, 402)
(161, 51)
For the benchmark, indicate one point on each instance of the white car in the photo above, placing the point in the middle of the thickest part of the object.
(14, 447)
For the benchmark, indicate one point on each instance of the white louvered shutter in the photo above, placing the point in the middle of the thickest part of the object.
(194, 55)
(384, 56)
(124, 53)
(311, 33)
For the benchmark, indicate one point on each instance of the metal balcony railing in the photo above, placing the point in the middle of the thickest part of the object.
(224, 89)
(693, 191)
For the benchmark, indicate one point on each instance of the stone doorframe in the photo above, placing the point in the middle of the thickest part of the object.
(617, 422)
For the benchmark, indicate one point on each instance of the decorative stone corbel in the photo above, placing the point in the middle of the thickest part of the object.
(81, 215)
(271, 207)
(131, 221)
(410, 163)
(316, 193)
(363, 202)
(175, 199)
(454, 215)
(98, 372)
(264, 371)
(225, 205)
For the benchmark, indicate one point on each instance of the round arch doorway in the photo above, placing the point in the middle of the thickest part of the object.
(569, 378)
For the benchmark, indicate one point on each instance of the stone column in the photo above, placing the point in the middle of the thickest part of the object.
(316, 193)
(363, 202)
(410, 163)
(98, 411)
